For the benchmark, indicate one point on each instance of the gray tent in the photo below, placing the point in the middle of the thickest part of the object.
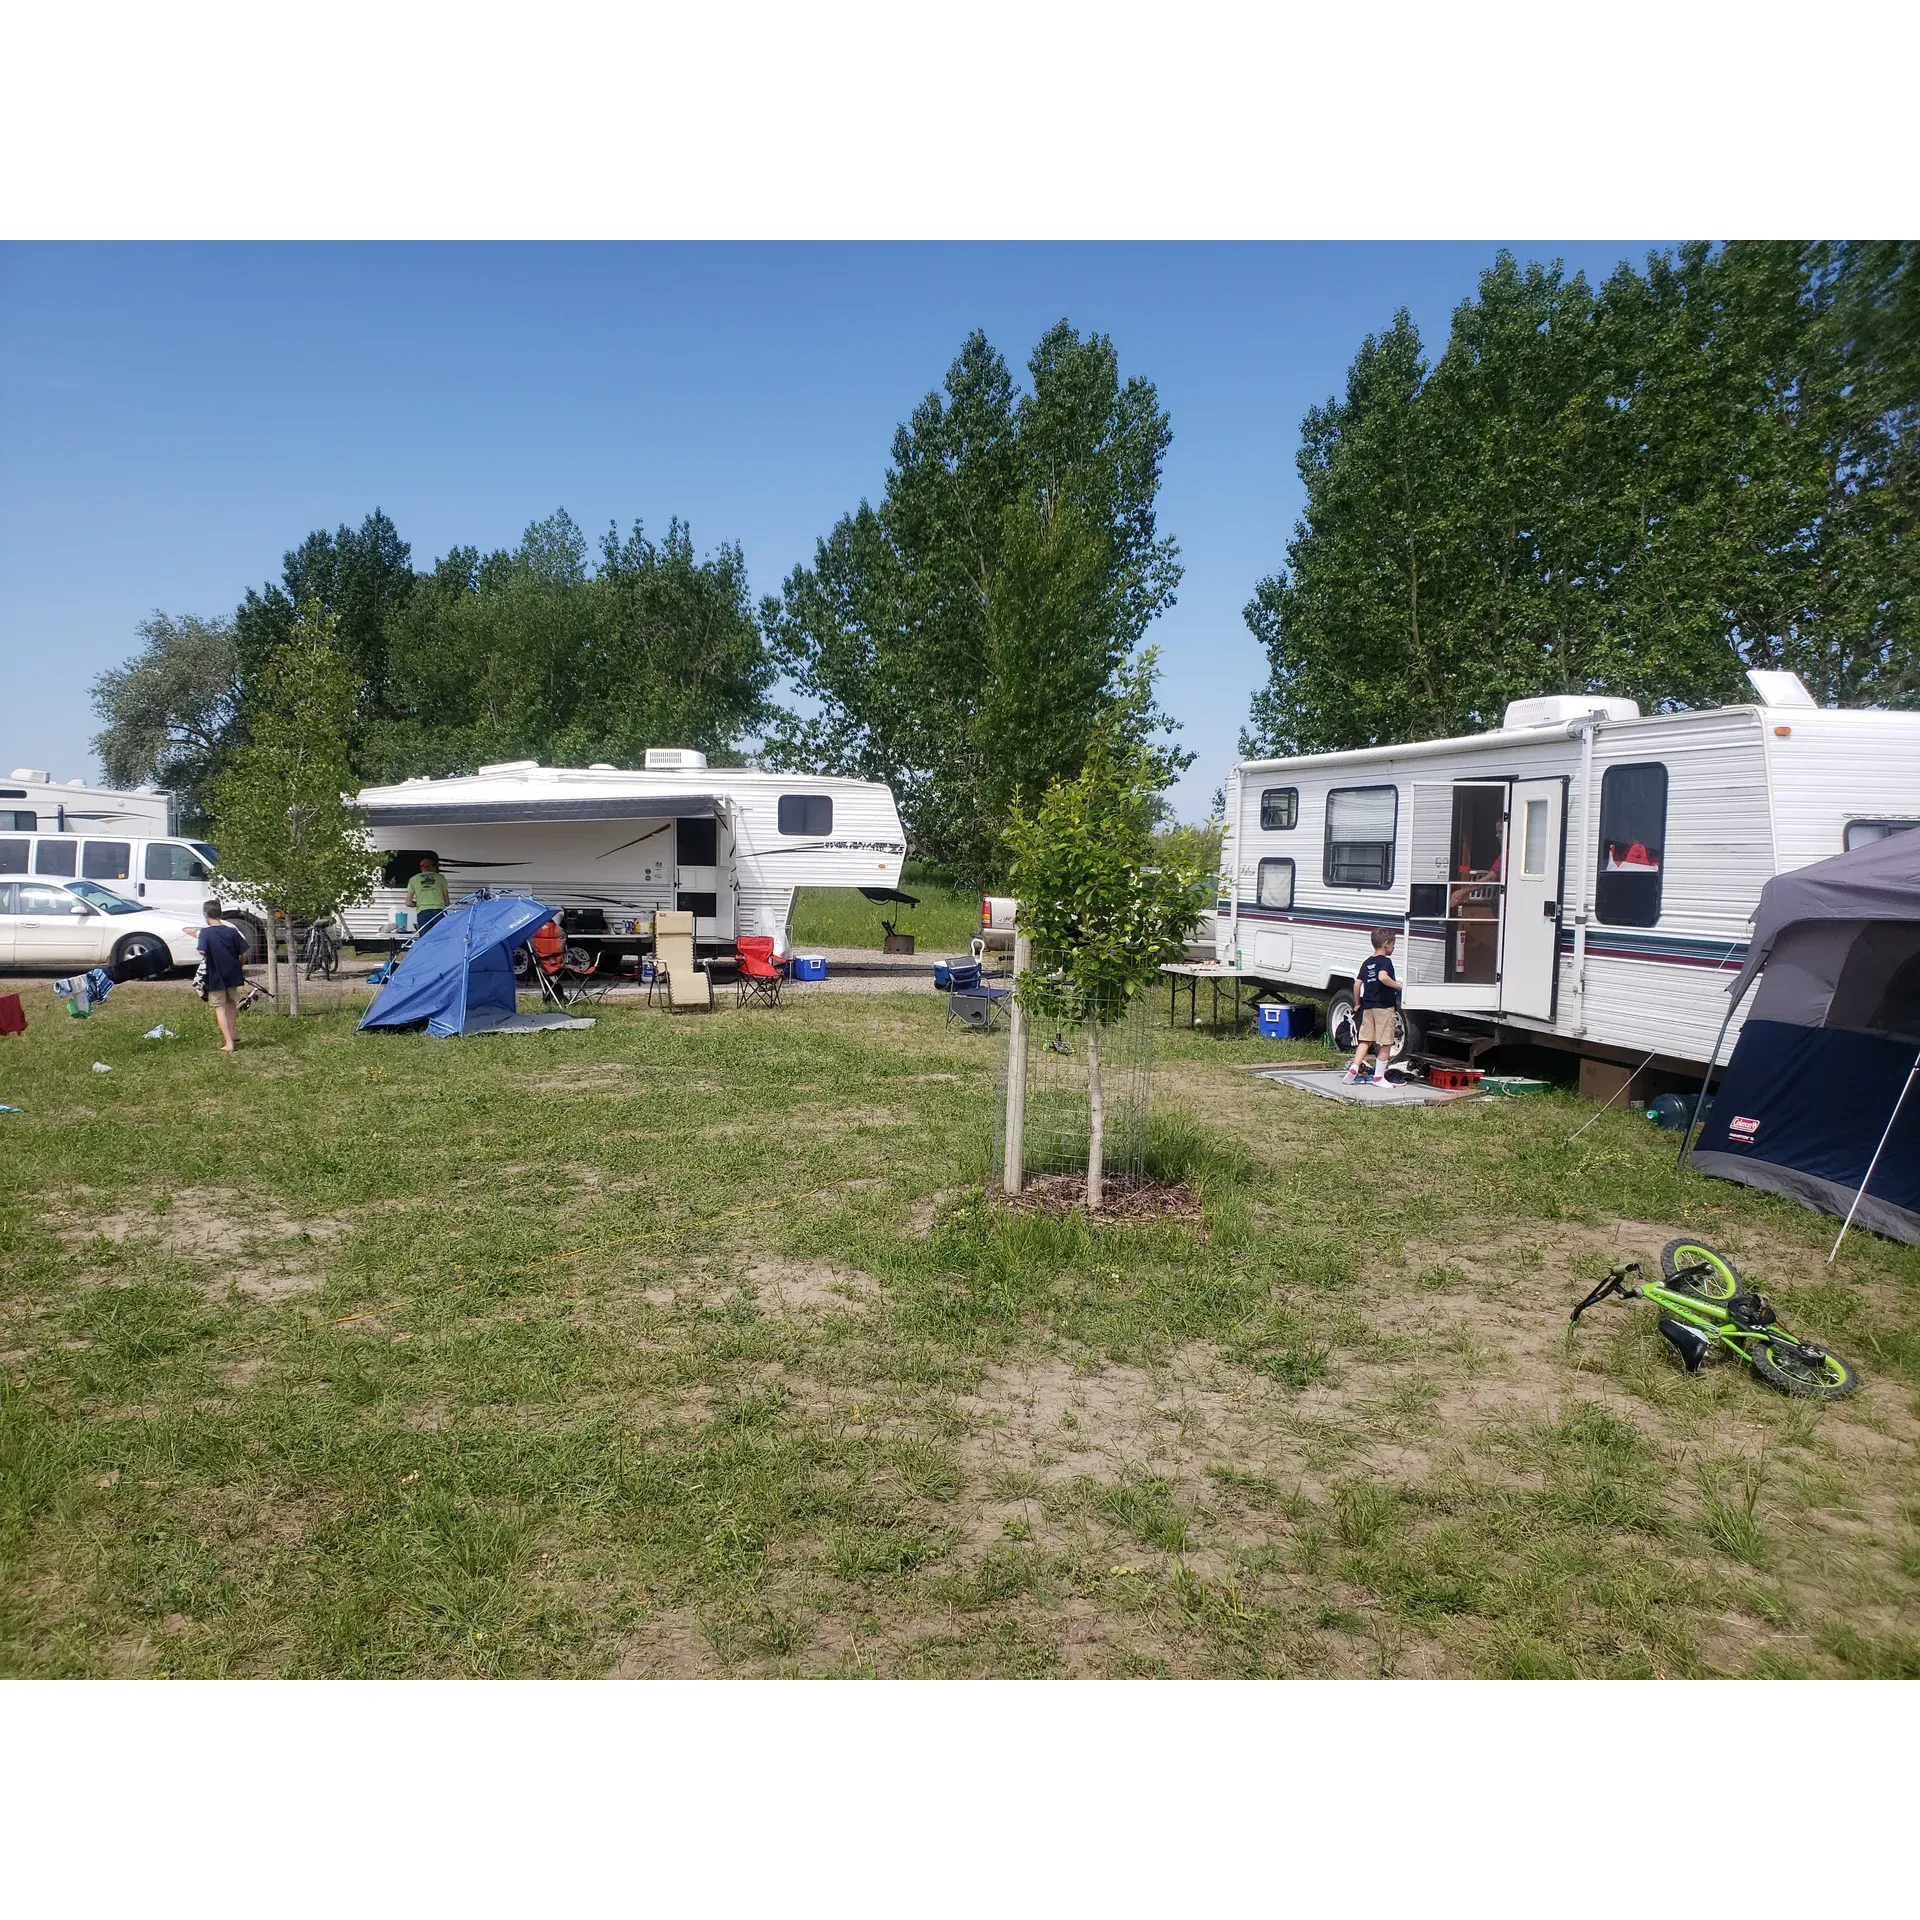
(1818, 1101)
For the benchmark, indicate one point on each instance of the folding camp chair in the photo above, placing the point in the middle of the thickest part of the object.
(761, 976)
(687, 986)
(564, 974)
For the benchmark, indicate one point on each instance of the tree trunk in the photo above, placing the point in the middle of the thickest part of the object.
(1096, 1118)
(293, 972)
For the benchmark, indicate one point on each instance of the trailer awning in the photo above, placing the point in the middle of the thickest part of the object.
(460, 813)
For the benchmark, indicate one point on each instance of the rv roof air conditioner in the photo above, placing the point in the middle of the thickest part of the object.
(1774, 689)
(1556, 709)
(31, 773)
(675, 759)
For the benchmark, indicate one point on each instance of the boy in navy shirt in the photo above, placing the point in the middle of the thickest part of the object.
(1376, 993)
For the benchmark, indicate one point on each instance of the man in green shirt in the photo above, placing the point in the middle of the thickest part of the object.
(427, 893)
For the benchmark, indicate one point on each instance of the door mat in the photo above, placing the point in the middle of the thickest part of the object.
(1331, 1083)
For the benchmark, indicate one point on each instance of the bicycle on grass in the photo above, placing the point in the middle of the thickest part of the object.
(1703, 1305)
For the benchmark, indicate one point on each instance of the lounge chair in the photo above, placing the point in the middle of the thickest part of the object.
(687, 986)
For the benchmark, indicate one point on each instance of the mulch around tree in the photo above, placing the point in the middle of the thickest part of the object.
(1124, 1198)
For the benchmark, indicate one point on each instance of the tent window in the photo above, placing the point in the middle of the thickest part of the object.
(1863, 833)
(1899, 1008)
(810, 814)
(1274, 888)
(1280, 809)
(1633, 840)
(56, 857)
(1361, 824)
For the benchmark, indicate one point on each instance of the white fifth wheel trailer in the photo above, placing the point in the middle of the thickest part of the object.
(1583, 876)
(30, 802)
(612, 847)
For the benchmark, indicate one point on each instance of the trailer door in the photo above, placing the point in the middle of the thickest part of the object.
(696, 878)
(1452, 963)
(1530, 961)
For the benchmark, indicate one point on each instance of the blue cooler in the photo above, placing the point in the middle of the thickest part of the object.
(1276, 1022)
(809, 966)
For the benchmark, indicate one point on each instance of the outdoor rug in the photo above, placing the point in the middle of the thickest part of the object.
(1331, 1083)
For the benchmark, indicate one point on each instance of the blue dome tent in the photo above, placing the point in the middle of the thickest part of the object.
(458, 975)
(1821, 1100)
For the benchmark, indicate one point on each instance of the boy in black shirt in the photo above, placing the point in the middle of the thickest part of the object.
(1376, 994)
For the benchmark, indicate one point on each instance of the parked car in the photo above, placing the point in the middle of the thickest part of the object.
(171, 876)
(79, 923)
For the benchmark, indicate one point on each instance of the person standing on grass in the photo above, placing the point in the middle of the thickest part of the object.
(223, 951)
(1377, 993)
(427, 893)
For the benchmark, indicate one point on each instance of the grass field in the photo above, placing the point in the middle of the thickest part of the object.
(943, 922)
(691, 1346)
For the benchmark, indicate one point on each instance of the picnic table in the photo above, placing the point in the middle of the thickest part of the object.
(1190, 973)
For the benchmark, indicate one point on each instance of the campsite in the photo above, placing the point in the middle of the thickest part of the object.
(694, 1345)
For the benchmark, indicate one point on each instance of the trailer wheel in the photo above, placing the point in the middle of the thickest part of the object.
(1343, 1026)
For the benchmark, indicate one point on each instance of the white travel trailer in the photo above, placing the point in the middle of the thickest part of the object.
(611, 847)
(1584, 876)
(30, 802)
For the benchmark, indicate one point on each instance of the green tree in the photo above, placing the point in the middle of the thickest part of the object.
(962, 639)
(167, 710)
(1705, 466)
(1103, 904)
(288, 833)
(531, 654)
(362, 576)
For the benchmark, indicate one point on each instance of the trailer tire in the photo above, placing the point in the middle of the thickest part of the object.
(1343, 1027)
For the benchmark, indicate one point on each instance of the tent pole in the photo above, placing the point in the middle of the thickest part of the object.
(1860, 1193)
(1686, 1132)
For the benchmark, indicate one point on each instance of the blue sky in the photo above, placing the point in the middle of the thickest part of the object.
(173, 418)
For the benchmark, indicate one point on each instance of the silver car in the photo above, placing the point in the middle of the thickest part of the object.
(64, 924)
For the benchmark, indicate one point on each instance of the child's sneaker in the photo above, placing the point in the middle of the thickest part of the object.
(1380, 1079)
(1353, 1074)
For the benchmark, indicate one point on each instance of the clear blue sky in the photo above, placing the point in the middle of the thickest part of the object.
(173, 418)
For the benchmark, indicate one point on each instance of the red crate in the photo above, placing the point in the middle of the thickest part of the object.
(1451, 1078)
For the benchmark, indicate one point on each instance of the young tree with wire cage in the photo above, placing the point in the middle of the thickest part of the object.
(1104, 908)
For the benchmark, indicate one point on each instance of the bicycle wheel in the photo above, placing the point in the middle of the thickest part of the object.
(1802, 1369)
(1719, 1283)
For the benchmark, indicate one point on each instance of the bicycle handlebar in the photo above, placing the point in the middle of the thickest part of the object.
(1615, 1282)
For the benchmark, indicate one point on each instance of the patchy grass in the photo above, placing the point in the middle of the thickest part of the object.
(692, 1346)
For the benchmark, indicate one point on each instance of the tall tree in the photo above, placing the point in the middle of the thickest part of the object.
(165, 712)
(1705, 466)
(288, 834)
(362, 576)
(534, 654)
(962, 639)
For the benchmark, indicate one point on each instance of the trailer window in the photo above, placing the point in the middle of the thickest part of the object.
(57, 857)
(13, 856)
(19, 822)
(106, 859)
(806, 813)
(1280, 809)
(1274, 887)
(1361, 825)
(697, 841)
(1863, 833)
(402, 864)
(1633, 839)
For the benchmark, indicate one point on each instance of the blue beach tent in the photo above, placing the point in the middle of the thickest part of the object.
(458, 975)
(1821, 1100)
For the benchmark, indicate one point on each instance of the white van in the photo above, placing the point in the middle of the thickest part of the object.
(169, 876)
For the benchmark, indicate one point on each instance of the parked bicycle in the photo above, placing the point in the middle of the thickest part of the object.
(320, 954)
(1704, 1305)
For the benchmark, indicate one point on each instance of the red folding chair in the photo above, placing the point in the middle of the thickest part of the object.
(564, 973)
(761, 976)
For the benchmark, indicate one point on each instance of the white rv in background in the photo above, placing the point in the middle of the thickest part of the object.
(1583, 876)
(30, 802)
(611, 847)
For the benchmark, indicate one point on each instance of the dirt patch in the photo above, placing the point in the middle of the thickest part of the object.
(1125, 1198)
(920, 1221)
(670, 1646)
(255, 1246)
(786, 1284)
(593, 1076)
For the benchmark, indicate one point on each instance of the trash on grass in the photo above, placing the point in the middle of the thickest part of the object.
(100, 1066)
(160, 1033)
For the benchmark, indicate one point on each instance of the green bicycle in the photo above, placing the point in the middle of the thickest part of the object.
(1703, 1305)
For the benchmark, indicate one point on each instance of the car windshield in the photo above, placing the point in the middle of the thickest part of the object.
(103, 898)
